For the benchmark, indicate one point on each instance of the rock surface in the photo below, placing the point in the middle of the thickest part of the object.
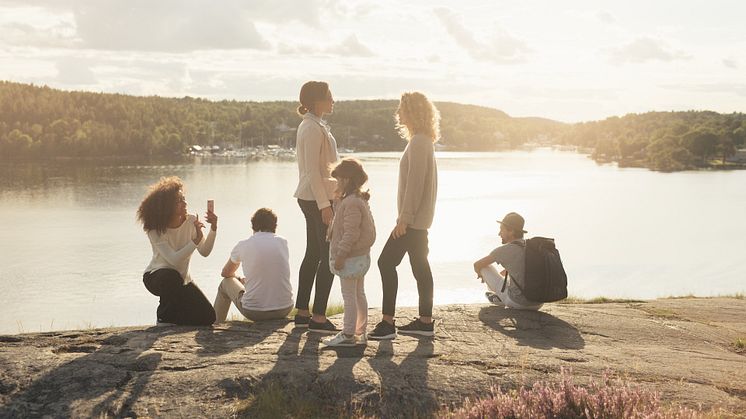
(683, 348)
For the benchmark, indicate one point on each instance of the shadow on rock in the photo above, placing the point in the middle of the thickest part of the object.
(291, 388)
(109, 379)
(532, 328)
(228, 337)
(404, 390)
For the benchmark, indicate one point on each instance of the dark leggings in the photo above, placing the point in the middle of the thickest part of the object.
(180, 304)
(315, 265)
(415, 244)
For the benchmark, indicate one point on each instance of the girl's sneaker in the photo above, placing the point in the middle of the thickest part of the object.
(340, 339)
(362, 339)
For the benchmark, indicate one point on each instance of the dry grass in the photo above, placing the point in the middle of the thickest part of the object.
(737, 296)
(597, 300)
(661, 313)
(740, 345)
(331, 309)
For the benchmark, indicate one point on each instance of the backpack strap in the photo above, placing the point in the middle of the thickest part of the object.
(521, 243)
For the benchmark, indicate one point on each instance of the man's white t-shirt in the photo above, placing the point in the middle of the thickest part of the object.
(265, 260)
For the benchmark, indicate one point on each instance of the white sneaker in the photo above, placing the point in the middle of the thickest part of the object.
(340, 339)
(362, 339)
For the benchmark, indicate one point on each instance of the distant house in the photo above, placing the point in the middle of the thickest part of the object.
(284, 128)
(739, 157)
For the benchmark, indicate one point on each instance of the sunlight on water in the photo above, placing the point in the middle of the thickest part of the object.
(72, 255)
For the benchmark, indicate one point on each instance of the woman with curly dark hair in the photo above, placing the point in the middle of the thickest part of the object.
(175, 235)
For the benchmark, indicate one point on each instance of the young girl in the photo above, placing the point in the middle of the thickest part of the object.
(351, 233)
(174, 235)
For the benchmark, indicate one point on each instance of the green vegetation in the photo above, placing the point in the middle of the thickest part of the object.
(597, 300)
(740, 344)
(737, 296)
(331, 309)
(661, 313)
(277, 401)
(665, 141)
(41, 122)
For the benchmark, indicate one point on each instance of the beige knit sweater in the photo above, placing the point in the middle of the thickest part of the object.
(418, 183)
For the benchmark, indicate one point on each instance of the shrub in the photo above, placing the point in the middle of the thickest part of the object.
(611, 398)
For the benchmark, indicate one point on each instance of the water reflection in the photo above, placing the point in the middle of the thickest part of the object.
(71, 254)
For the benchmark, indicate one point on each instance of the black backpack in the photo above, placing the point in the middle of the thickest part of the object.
(545, 279)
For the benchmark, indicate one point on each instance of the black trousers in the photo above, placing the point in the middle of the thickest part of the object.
(315, 265)
(180, 304)
(415, 244)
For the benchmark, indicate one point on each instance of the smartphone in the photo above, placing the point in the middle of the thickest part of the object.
(210, 205)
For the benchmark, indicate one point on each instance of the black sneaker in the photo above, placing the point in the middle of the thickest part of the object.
(383, 331)
(325, 327)
(301, 321)
(493, 298)
(416, 327)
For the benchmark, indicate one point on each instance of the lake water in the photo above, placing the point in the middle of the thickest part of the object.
(72, 255)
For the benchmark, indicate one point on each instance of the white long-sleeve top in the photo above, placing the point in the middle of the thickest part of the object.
(173, 249)
(316, 150)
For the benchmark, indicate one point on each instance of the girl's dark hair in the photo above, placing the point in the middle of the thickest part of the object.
(352, 170)
(158, 206)
(264, 219)
(310, 93)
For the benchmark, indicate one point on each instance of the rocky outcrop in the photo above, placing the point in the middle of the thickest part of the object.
(683, 348)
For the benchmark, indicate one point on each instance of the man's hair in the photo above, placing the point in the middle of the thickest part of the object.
(264, 219)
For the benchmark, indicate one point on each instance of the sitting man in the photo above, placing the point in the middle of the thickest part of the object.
(265, 293)
(511, 256)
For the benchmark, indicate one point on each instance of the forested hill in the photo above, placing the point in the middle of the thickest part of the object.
(41, 122)
(665, 141)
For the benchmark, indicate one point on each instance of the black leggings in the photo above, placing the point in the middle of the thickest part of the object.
(415, 244)
(315, 263)
(180, 304)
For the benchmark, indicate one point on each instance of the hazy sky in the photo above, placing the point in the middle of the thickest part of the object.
(567, 60)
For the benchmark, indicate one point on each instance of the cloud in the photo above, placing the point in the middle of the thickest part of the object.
(40, 29)
(646, 49)
(730, 63)
(74, 71)
(350, 47)
(165, 26)
(727, 88)
(502, 48)
(605, 17)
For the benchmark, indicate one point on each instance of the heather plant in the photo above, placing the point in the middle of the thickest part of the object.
(609, 399)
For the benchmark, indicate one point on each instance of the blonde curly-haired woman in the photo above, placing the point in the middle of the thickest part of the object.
(418, 122)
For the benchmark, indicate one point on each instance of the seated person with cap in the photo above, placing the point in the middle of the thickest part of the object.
(505, 288)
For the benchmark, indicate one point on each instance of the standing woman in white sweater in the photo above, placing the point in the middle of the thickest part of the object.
(174, 235)
(316, 150)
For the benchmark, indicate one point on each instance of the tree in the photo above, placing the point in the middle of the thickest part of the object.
(726, 147)
(700, 143)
